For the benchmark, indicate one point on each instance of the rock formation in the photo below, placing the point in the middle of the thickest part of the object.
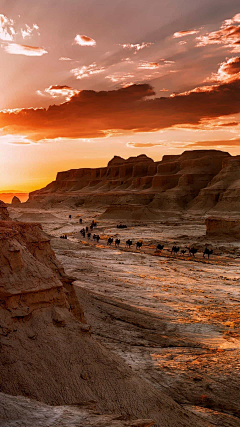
(47, 352)
(16, 201)
(4, 215)
(15, 410)
(198, 180)
(222, 193)
(223, 227)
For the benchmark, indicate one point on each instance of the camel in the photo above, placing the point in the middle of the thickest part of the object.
(207, 252)
(175, 250)
(109, 241)
(88, 235)
(159, 247)
(183, 251)
(117, 242)
(129, 243)
(192, 250)
(138, 245)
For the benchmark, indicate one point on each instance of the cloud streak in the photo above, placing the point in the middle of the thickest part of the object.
(180, 34)
(136, 47)
(87, 71)
(228, 35)
(19, 49)
(217, 143)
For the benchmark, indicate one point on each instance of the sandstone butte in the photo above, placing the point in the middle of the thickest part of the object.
(47, 352)
(16, 201)
(195, 181)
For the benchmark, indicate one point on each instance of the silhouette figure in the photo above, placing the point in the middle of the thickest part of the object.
(129, 243)
(175, 249)
(207, 252)
(117, 242)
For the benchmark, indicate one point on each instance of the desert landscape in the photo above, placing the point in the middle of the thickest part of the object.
(144, 332)
(120, 213)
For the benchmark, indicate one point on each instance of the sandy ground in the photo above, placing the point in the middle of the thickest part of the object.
(175, 320)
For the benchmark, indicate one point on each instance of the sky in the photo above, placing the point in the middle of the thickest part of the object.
(83, 80)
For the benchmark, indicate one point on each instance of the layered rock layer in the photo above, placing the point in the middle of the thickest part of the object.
(195, 180)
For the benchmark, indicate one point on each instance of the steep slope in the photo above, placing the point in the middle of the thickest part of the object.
(222, 193)
(47, 352)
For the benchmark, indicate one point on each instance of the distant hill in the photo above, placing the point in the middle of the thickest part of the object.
(7, 197)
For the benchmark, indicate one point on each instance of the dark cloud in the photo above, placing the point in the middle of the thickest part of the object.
(130, 109)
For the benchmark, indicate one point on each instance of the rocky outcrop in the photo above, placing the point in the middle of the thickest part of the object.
(223, 227)
(192, 180)
(16, 409)
(16, 201)
(222, 194)
(46, 349)
(4, 215)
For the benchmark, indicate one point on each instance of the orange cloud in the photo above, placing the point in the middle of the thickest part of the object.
(228, 70)
(218, 143)
(143, 144)
(87, 71)
(179, 34)
(84, 41)
(90, 114)
(19, 49)
(228, 35)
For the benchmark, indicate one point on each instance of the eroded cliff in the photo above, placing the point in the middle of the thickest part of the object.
(197, 180)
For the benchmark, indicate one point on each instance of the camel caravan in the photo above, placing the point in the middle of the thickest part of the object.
(175, 250)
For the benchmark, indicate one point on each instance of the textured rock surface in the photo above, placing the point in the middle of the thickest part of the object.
(177, 182)
(4, 215)
(47, 352)
(222, 194)
(223, 226)
(17, 410)
(16, 201)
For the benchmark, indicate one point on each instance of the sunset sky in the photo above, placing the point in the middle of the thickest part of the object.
(83, 80)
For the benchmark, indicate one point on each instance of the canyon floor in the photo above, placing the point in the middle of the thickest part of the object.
(173, 319)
